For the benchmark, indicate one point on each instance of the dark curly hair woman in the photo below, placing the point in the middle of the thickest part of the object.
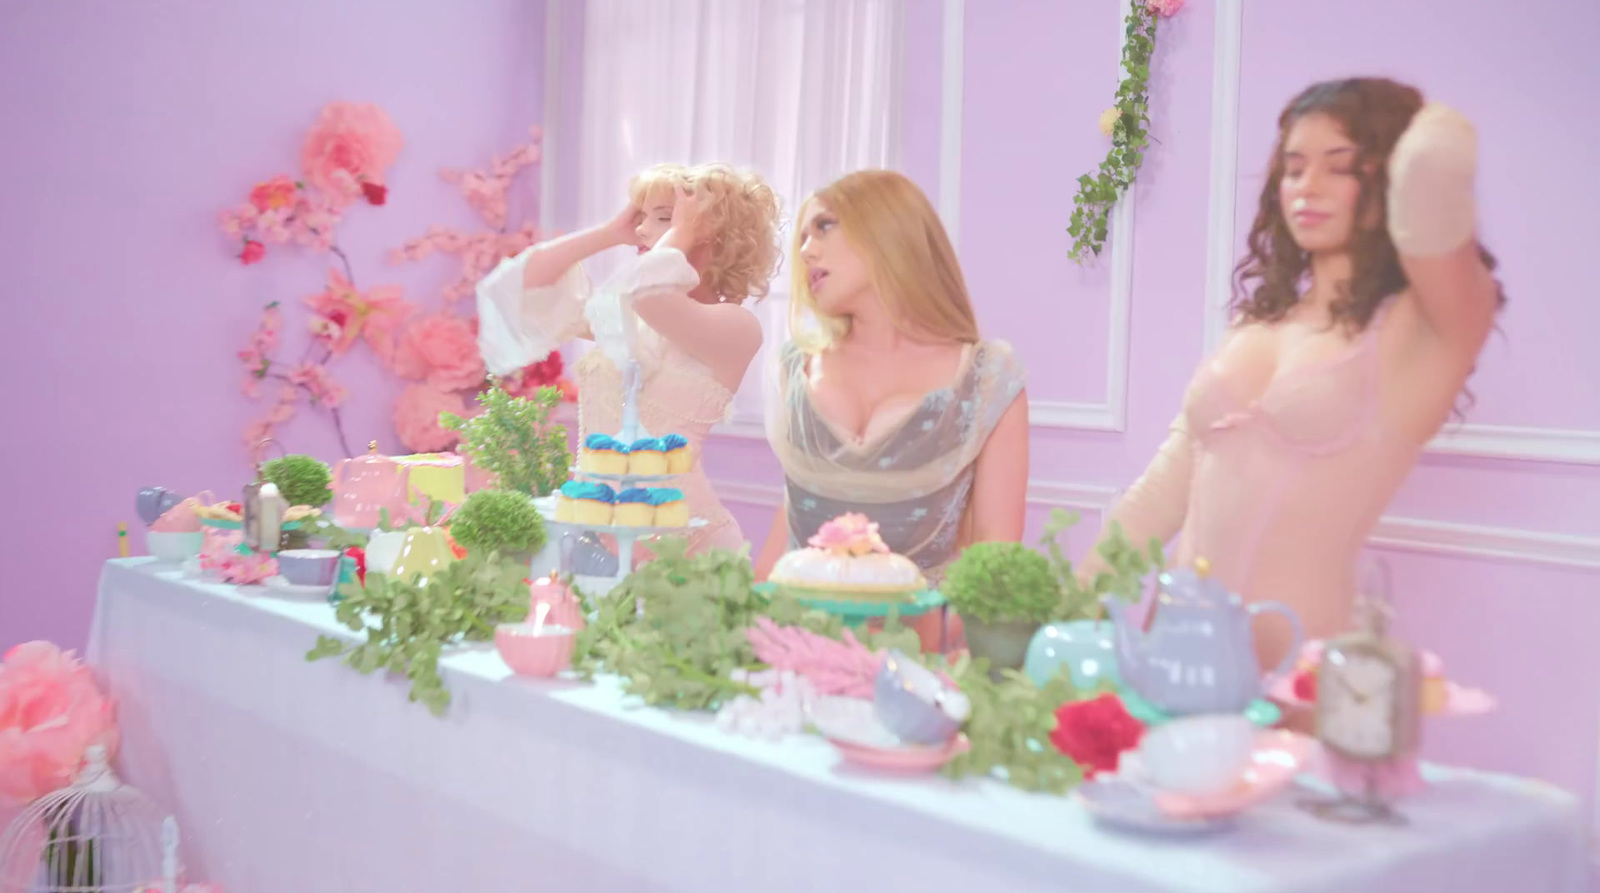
(1361, 308)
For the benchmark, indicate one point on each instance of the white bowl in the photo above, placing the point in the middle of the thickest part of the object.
(174, 546)
(1198, 755)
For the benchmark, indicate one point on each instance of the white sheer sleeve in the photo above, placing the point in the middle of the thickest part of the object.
(519, 325)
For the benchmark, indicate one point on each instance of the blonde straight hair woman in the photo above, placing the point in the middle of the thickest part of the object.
(889, 403)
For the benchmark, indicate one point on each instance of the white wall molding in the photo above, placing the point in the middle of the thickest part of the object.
(1417, 535)
(1519, 443)
(952, 83)
(1478, 541)
(1221, 204)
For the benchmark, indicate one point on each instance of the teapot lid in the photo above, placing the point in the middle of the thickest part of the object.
(373, 457)
(1196, 586)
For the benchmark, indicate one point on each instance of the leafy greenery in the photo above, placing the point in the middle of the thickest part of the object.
(301, 480)
(1009, 729)
(514, 439)
(1099, 191)
(1126, 568)
(999, 582)
(674, 630)
(498, 521)
(408, 625)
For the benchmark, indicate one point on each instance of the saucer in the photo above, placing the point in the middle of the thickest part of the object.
(1126, 805)
(1262, 712)
(279, 586)
(1278, 757)
(852, 726)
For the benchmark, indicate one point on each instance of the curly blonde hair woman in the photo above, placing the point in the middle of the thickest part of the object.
(707, 242)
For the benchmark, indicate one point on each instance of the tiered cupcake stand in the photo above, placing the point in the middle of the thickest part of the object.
(568, 533)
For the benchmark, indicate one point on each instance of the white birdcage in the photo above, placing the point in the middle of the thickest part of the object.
(97, 835)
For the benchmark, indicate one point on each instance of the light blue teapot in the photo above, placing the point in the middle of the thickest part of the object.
(1084, 647)
(1198, 655)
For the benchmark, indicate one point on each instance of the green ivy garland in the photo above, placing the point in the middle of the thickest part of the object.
(1098, 192)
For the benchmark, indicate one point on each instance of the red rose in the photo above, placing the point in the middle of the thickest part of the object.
(253, 252)
(375, 193)
(360, 555)
(1094, 733)
(1305, 685)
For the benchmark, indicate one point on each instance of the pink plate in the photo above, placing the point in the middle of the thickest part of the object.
(1278, 757)
(851, 725)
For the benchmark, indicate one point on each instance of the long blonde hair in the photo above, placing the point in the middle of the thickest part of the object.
(741, 223)
(892, 224)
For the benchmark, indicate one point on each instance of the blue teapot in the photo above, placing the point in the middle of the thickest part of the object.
(1084, 647)
(1198, 655)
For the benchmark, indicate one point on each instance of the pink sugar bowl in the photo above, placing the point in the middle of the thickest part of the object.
(536, 648)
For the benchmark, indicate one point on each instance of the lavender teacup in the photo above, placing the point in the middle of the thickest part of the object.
(309, 567)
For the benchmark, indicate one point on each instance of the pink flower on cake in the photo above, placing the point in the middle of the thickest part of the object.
(416, 417)
(1164, 8)
(51, 711)
(852, 533)
(350, 145)
(445, 349)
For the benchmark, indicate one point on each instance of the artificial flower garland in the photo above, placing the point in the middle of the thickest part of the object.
(1127, 124)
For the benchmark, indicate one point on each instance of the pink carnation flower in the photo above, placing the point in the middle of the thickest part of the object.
(1164, 8)
(351, 144)
(51, 711)
(416, 417)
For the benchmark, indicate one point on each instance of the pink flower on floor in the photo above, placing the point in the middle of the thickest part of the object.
(350, 145)
(416, 417)
(1164, 8)
(445, 348)
(51, 711)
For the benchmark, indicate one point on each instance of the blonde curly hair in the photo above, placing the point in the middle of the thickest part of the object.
(741, 223)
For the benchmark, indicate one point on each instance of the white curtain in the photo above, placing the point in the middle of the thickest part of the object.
(801, 90)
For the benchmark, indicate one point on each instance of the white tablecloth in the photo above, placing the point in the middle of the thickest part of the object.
(296, 777)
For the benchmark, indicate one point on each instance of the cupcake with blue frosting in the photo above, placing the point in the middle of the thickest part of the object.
(671, 508)
(585, 502)
(634, 508)
(647, 456)
(603, 454)
(676, 449)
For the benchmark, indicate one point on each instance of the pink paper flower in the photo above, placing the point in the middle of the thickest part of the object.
(351, 314)
(851, 533)
(315, 379)
(252, 252)
(1164, 8)
(51, 711)
(447, 348)
(351, 144)
(278, 192)
(416, 417)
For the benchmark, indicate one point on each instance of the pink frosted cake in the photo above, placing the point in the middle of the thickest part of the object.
(847, 559)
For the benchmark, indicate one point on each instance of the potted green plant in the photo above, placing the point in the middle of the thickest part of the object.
(1078, 638)
(501, 521)
(301, 480)
(515, 440)
(1004, 592)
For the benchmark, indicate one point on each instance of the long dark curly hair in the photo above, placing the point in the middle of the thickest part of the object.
(1373, 112)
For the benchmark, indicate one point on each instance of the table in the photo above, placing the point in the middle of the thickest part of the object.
(289, 775)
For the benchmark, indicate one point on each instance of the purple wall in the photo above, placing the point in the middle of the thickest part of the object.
(1496, 557)
(129, 127)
